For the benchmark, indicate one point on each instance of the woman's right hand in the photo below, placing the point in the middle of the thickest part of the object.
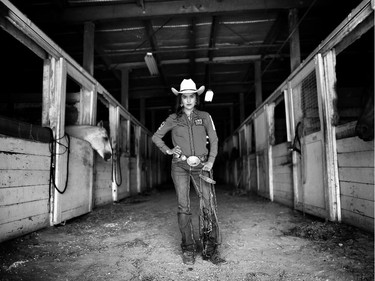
(175, 150)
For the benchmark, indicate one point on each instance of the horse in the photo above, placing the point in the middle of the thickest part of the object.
(96, 135)
(365, 124)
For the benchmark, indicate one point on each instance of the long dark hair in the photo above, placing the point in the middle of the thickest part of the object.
(179, 110)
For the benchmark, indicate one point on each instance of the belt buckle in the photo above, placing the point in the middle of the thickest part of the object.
(193, 161)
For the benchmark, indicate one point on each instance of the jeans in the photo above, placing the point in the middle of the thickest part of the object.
(183, 175)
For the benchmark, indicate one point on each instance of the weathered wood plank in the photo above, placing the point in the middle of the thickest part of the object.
(9, 161)
(282, 160)
(356, 159)
(15, 145)
(104, 168)
(354, 144)
(23, 226)
(75, 211)
(358, 206)
(360, 175)
(286, 183)
(283, 169)
(19, 178)
(20, 195)
(357, 190)
(284, 201)
(16, 212)
(363, 222)
(283, 197)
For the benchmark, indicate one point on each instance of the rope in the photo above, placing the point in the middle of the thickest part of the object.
(116, 166)
(206, 214)
(52, 148)
(297, 139)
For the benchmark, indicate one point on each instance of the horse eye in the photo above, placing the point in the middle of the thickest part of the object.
(105, 138)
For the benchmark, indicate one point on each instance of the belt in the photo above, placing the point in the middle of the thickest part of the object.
(192, 160)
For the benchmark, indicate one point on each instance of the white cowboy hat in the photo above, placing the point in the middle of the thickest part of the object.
(188, 87)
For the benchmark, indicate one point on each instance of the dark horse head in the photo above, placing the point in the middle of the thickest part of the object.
(365, 124)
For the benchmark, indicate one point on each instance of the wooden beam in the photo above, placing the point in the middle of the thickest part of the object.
(125, 88)
(242, 107)
(113, 49)
(295, 52)
(210, 54)
(20, 36)
(163, 9)
(88, 47)
(142, 105)
(232, 59)
(192, 46)
(258, 83)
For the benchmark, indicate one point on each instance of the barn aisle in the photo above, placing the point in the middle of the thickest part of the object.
(138, 239)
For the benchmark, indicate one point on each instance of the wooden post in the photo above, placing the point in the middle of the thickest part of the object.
(53, 116)
(295, 53)
(258, 83)
(114, 119)
(142, 111)
(125, 88)
(327, 81)
(152, 121)
(242, 107)
(270, 110)
(88, 47)
(138, 131)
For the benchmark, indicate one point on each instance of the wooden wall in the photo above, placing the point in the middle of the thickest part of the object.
(124, 188)
(24, 186)
(102, 181)
(282, 174)
(356, 174)
(253, 173)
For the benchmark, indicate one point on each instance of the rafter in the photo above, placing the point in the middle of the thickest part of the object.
(210, 53)
(192, 43)
(165, 9)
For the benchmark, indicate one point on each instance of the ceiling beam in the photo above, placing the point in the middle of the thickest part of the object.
(192, 46)
(112, 50)
(132, 10)
(232, 59)
(210, 53)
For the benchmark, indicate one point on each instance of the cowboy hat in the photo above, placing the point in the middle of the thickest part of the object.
(188, 86)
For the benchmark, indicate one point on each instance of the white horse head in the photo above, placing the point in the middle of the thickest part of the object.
(96, 135)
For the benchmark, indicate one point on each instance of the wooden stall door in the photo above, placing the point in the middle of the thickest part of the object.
(77, 198)
(261, 146)
(309, 183)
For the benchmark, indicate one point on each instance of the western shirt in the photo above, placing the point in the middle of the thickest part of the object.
(189, 134)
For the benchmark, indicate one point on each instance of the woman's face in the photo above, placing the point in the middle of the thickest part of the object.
(188, 100)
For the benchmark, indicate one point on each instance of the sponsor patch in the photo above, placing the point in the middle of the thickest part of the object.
(198, 122)
(162, 125)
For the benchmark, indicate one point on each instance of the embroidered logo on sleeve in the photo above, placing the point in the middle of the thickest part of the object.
(212, 122)
(198, 122)
(162, 125)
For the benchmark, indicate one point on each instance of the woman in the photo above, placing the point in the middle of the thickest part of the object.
(192, 162)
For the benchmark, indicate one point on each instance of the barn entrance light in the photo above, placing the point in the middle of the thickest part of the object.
(209, 95)
(151, 64)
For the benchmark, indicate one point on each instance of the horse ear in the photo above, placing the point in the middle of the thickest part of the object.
(100, 124)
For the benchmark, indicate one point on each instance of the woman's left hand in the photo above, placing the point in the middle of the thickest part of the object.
(208, 166)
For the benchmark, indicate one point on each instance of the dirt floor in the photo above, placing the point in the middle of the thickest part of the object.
(138, 239)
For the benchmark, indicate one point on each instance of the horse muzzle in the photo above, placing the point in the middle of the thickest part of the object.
(107, 156)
